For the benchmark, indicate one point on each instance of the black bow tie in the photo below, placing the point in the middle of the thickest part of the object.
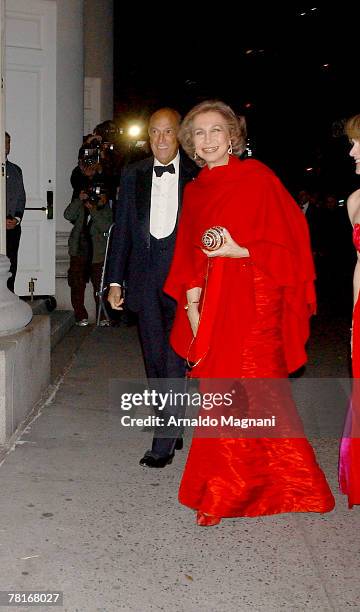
(159, 170)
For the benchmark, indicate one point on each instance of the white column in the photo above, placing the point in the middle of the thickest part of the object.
(14, 313)
(69, 127)
(2, 132)
(88, 52)
(69, 100)
(99, 49)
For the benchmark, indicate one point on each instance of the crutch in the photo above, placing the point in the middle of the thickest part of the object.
(103, 287)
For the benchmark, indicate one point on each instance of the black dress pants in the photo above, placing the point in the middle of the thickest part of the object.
(161, 362)
(12, 248)
(155, 322)
(164, 368)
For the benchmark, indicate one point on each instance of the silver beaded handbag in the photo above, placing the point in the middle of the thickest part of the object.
(213, 238)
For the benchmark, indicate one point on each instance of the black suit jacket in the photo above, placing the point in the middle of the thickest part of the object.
(15, 192)
(130, 245)
(313, 216)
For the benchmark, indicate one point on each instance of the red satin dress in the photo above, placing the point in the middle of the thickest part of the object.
(349, 456)
(252, 477)
(250, 307)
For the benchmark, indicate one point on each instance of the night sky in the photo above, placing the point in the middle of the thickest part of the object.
(293, 76)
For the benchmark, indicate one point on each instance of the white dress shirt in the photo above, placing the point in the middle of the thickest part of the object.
(164, 200)
(305, 207)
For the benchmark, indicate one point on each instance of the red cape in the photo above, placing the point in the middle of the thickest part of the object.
(250, 201)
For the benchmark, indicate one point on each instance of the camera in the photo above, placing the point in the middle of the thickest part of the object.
(89, 154)
(95, 192)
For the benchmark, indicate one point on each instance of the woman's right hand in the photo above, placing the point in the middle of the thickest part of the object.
(193, 316)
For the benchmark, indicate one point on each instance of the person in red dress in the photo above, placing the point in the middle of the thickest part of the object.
(349, 458)
(243, 313)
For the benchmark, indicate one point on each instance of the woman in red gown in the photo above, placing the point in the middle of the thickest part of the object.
(349, 460)
(243, 312)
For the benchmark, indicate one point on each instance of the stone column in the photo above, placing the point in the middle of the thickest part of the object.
(69, 127)
(99, 49)
(2, 131)
(14, 313)
(69, 100)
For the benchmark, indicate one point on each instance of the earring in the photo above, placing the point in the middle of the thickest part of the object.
(230, 148)
(248, 149)
(195, 156)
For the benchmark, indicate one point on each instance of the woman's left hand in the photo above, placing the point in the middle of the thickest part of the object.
(229, 249)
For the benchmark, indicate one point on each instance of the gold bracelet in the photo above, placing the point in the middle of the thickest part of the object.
(186, 307)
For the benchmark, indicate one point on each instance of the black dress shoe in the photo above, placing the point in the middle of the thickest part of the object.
(150, 461)
(179, 444)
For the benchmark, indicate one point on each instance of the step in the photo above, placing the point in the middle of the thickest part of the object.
(61, 321)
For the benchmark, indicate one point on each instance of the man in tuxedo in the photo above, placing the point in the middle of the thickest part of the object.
(15, 206)
(146, 220)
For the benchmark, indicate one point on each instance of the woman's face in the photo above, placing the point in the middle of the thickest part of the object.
(355, 154)
(211, 138)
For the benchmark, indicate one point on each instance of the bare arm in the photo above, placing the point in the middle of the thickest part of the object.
(356, 279)
(193, 312)
(230, 249)
(353, 206)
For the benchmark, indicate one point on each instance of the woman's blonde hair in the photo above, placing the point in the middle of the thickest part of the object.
(236, 126)
(352, 127)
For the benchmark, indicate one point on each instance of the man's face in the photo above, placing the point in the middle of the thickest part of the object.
(103, 199)
(89, 170)
(7, 145)
(331, 202)
(163, 129)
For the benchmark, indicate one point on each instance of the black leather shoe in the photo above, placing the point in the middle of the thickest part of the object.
(150, 461)
(179, 444)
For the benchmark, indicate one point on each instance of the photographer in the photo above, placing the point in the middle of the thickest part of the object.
(111, 159)
(89, 169)
(91, 216)
(97, 163)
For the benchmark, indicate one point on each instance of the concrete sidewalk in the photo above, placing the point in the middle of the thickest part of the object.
(78, 514)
